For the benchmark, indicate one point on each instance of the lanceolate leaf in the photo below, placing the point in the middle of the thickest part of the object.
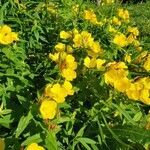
(23, 123)
(132, 133)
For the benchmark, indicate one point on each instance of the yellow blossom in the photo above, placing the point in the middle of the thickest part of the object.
(54, 56)
(69, 49)
(7, 36)
(48, 109)
(140, 90)
(90, 16)
(130, 39)
(70, 62)
(90, 63)
(127, 58)
(120, 40)
(48, 90)
(136, 43)
(116, 21)
(35, 146)
(65, 35)
(111, 29)
(87, 39)
(99, 63)
(133, 30)
(60, 47)
(68, 87)
(58, 93)
(139, 48)
(124, 14)
(69, 74)
(147, 63)
(77, 40)
(96, 48)
(122, 84)
(132, 92)
(115, 72)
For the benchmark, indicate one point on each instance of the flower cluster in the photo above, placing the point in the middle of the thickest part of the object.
(53, 95)
(35, 146)
(7, 36)
(90, 16)
(117, 76)
(140, 90)
(121, 39)
(123, 14)
(56, 93)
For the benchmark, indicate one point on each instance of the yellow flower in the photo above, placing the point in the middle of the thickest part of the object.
(120, 40)
(99, 63)
(144, 95)
(115, 72)
(140, 90)
(90, 16)
(130, 39)
(133, 30)
(136, 43)
(5, 29)
(116, 21)
(111, 29)
(69, 49)
(139, 48)
(47, 91)
(65, 35)
(2, 144)
(132, 92)
(68, 87)
(6, 36)
(60, 47)
(122, 84)
(58, 93)
(70, 62)
(90, 63)
(96, 48)
(77, 40)
(35, 146)
(124, 14)
(147, 63)
(48, 109)
(127, 58)
(75, 31)
(83, 40)
(69, 74)
(54, 56)
(87, 39)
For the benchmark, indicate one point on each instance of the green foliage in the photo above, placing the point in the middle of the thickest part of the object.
(96, 117)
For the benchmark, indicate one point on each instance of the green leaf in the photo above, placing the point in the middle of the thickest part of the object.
(135, 134)
(86, 140)
(35, 138)
(2, 12)
(82, 141)
(126, 115)
(138, 116)
(6, 120)
(23, 123)
(80, 132)
(50, 141)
